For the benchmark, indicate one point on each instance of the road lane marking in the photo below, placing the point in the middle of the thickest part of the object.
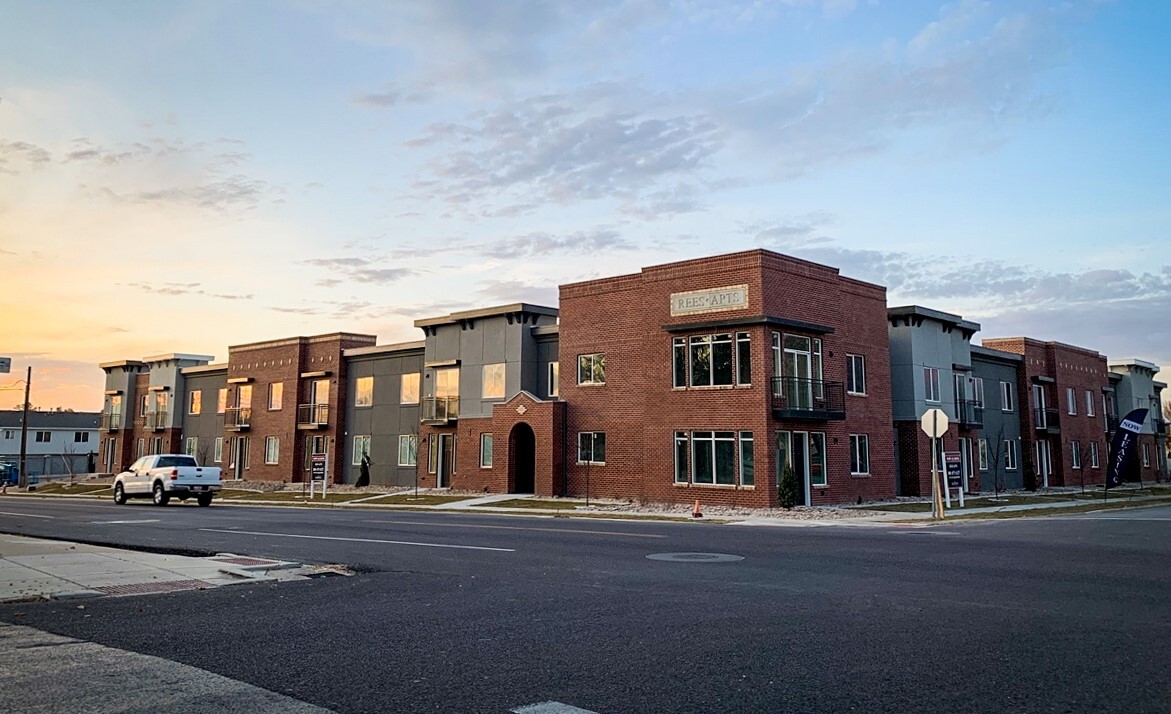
(359, 540)
(147, 520)
(27, 515)
(519, 528)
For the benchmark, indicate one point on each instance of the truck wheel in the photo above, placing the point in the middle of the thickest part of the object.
(119, 494)
(204, 499)
(160, 496)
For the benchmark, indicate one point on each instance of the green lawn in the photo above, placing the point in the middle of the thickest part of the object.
(531, 503)
(235, 494)
(64, 489)
(423, 499)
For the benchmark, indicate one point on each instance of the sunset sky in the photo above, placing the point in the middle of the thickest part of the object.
(182, 176)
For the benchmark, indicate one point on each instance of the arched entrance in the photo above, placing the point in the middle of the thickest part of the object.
(522, 461)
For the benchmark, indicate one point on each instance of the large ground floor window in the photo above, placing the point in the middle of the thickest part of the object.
(723, 458)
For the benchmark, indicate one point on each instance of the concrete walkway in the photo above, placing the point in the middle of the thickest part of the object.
(32, 569)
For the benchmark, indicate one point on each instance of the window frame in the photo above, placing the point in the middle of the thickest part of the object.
(1007, 397)
(682, 465)
(195, 402)
(217, 454)
(48, 437)
(1075, 455)
(593, 441)
(191, 445)
(486, 443)
(1011, 461)
(1094, 462)
(977, 391)
(982, 454)
(494, 368)
(221, 403)
(595, 363)
(859, 454)
(411, 443)
(1071, 401)
(361, 447)
(745, 444)
(554, 372)
(276, 396)
(272, 450)
(1146, 455)
(1089, 403)
(855, 374)
(931, 385)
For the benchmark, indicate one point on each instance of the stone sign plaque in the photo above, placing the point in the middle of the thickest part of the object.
(732, 297)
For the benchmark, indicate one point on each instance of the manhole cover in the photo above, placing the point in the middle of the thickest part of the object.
(695, 557)
(163, 586)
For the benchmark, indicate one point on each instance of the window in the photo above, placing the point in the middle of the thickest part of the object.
(1010, 455)
(1146, 456)
(859, 455)
(1094, 454)
(682, 475)
(195, 401)
(743, 358)
(937, 458)
(679, 361)
(747, 460)
(409, 389)
(432, 453)
(978, 392)
(714, 457)
(276, 395)
(1075, 454)
(218, 453)
(931, 384)
(142, 402)
(554, 373)
(711, 360)
(492, 386)
(156, 445)
(485, 451)
(44, 437)
(313, 445)
(855, 374)
(361, 450)
(591, 369)
(982, 447)
(81, 437)
(591, 447)
(1006, 400)
(141, 451)
(9, 434)
(408, 449)
(364, 391)
(1071, 400)
(191, 446)
(221, 404)
(272, 449)
(1089, 403)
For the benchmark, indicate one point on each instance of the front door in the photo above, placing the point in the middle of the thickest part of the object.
(446, 461)
(319, 399)
(1044, 464)
(798, 372)
(108, 457)
(966, 460)
(793, 450)
(241, 454)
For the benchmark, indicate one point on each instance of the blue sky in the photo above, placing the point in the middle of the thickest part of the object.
(178, 177)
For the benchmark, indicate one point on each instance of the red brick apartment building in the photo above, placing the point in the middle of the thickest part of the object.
(700, 379)
(1062, 392)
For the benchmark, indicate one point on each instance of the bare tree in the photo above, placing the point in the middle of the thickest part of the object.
(68, 452)
(996, 453)
(202, 451)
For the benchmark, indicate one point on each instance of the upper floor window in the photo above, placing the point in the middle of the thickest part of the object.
(363, 391)
(1007, 403)
(855, 374)
(492, 386)
(44, 437)
(195, 401)
(143, 401)
(712, 360)
(221, 404)
(1089, 403)
(276, 395)
(591, 368)
(81, 437)
(931, 384)
(1071, 400)
(554, 373)
(409, 389)
(978, 391)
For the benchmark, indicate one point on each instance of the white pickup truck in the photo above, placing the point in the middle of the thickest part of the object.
(161, 476)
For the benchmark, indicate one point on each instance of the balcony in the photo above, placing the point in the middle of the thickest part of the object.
(440, 410)
(808, 399)
(238, 418)
(156, 421)
(312, 416)
(1047, 420)
(1160, 427)
(112, 421)
(969, 414)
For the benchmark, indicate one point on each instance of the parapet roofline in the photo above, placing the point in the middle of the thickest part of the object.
(988, 352)
(302, 340)
(456, 317)
(173, 356)
(121, 363)
(384, 349)
(938, 315)
(1133, 362)
(206, 368)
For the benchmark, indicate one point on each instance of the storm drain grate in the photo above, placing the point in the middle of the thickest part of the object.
(245, 561)
(164, 586)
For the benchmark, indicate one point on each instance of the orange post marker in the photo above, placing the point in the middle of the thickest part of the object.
(695, 511)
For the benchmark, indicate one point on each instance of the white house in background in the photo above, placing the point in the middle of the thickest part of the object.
(53, 437)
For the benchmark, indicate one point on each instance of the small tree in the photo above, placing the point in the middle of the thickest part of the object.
(363, 472)
(787, 488)
(68, 454)
(996, 449)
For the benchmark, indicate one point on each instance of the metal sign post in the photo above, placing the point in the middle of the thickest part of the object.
(934, 424)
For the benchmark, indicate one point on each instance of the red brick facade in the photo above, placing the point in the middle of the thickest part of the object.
(627, 319)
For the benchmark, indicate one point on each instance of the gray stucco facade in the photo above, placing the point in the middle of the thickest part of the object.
(388, 416)
(921, 338)
(1001, 422)
(206, 427)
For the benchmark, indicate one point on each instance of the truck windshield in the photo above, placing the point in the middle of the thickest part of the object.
(170, 462)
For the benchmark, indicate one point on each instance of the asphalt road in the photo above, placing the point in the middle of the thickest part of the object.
(455, 612)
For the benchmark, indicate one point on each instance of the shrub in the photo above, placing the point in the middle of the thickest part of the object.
(364, 473)
(787, 489)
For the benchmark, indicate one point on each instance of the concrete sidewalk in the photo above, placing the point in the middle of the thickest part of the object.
(31, 569)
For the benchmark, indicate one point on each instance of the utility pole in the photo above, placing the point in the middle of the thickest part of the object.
(23, 483)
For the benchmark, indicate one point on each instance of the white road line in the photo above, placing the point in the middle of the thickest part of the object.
(148, 520)
(359, 540)
(550, 708)
(1104, 518)
(519, 528)
(27, 515)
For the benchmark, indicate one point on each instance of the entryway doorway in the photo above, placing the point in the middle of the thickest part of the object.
(445, 460)
(522, 464)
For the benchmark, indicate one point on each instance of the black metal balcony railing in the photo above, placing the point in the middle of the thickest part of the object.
(1047, 419)
(969, 414)
(238, 418)
(156, 420)
(812, 399)
(112, 421)
(1111, 424)
(312, 416)
(440, 409)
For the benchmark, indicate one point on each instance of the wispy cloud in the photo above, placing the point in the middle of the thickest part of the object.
(18, 155)
(362, 270)
(545, 244)
(177, 289)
